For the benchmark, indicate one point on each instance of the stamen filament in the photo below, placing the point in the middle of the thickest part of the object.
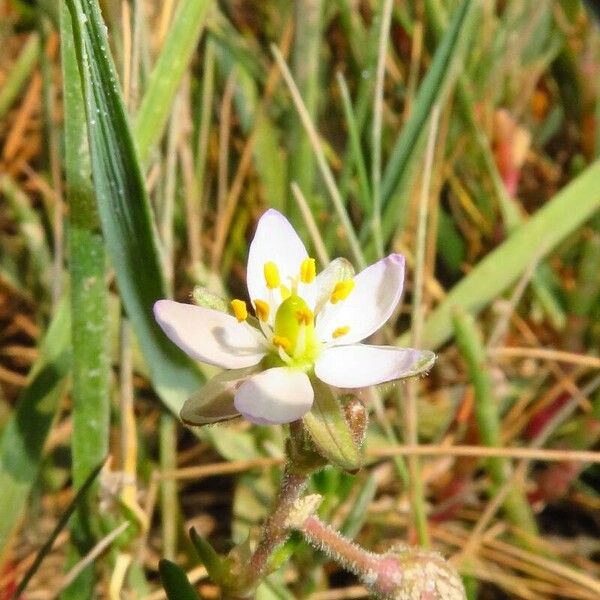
(285, 292)
(281, 342)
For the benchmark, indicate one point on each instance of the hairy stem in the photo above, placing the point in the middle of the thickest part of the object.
(275, 530)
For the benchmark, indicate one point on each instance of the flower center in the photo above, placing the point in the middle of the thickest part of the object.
(294, 331)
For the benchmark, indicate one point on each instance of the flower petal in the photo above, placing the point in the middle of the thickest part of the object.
(213, 402)
(317, 293)
(275, 241)
(360, 365)
(376, 293)
(278, 395)
(210, 336)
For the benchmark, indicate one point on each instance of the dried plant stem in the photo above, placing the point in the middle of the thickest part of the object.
(417, 494)
(548, 455)
(311, 225)
(547, 354)
(402, 573)
(326, 173)
(91, 556)
(386, 17)
(275, 530)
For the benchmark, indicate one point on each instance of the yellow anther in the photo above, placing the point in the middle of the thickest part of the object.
(262, 310)
(341, 290)
(240, 310)
(308, 270)
(281, 341)
(285, 292)
(304, 316)
(271, 275)
(340, 331)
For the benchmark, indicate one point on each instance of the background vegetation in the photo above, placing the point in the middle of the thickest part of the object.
(140, 144)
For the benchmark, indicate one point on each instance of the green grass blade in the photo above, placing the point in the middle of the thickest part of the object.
(167, 74)
(19, 73)
(268, 158)
(305, 68)
(470, 344)
(364, 195)
(89, 293)
(559, 217)
(440, 77)
(24, 436)
(90, 332)
(127, 223)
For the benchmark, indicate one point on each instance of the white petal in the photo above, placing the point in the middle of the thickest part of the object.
(370, 304)
(278, 395)
(317, 293)
(275, 241)
(360, 365)
(209, 335)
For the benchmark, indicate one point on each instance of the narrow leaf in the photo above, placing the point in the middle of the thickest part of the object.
(175, 582)
(24, 436)
(168, 72)
(501, 268)
(440, 77)
(209, 557)
(127, 223)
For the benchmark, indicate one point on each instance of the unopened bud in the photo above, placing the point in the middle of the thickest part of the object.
(409, 573)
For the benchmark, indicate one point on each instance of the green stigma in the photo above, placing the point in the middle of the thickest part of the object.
(295, 331)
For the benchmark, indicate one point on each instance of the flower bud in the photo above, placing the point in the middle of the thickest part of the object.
(410, 573)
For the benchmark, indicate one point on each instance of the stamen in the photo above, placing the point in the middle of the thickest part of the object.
(240, 310)
(304, 316)
(281, 342)
(262, 310)
(341, 290)
(271, 275)
(285, 292)
(308, 270)
(340, 331)
(300, 348)
(285, 357)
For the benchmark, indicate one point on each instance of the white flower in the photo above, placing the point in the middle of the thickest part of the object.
(307, 326)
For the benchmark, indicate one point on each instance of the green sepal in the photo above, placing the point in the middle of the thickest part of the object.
(330, 431)
(213, 402)
(216, 566)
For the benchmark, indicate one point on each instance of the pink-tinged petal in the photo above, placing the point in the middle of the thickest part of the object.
(275, 241)
(360, 365)
(210, 336)
(317, 293)
(369, 305)
(278, 395)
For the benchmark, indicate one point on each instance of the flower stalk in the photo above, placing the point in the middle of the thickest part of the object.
(275, 530)
(403, 573)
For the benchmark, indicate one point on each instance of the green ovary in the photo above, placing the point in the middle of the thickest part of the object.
(294, 322)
